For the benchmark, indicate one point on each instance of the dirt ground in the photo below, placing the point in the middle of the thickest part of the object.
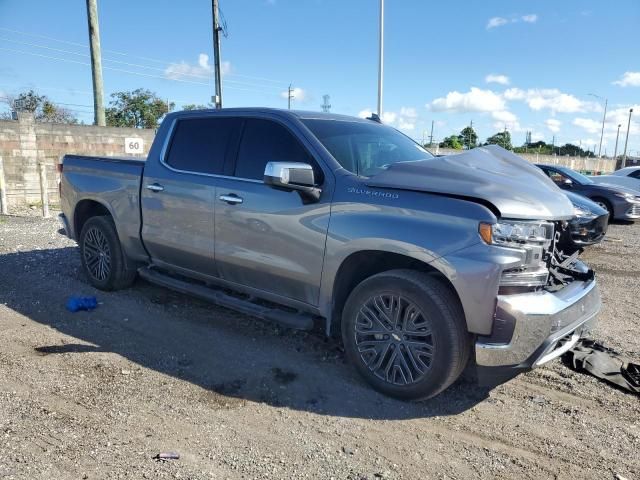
(96, 395)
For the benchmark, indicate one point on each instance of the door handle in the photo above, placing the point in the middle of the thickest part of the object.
(155, 187)
(231, 198)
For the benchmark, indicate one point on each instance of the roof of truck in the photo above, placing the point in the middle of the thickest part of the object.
(302, 114)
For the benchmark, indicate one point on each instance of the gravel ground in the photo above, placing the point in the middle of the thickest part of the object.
(98, 395)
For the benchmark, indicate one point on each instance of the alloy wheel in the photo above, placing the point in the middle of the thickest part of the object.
(97, 254)
(394, 339)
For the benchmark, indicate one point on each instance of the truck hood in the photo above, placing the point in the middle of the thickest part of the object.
(491, 174)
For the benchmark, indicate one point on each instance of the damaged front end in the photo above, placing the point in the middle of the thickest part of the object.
(565, 268)
(544, 305)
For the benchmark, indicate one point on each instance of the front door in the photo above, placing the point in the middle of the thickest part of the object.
(269, 239)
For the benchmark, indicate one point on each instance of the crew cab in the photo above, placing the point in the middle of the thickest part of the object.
(424, 265)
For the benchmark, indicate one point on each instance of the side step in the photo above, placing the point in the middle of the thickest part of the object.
(298, 321)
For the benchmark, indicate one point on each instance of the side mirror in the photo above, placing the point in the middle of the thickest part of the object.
(293, 176)
(566, 183)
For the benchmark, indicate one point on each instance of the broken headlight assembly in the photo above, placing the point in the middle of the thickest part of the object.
(531, 241)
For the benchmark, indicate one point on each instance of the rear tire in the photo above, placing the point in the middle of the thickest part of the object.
(405, 333)
(102, 257)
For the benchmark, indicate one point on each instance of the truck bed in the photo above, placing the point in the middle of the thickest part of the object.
(114, 183)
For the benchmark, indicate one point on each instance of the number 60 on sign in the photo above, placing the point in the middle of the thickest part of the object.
(133, 145)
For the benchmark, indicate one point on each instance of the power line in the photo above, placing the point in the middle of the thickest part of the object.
(208, 77)
(155, 60)
(148, 75)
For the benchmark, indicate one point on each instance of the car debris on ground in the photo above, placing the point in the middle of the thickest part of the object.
(605, 364)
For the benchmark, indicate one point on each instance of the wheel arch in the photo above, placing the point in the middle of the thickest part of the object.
(363, 264)
(84, 210)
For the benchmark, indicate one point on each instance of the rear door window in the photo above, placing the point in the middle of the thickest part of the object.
(200, 145)
(265, 141)
(635, 174)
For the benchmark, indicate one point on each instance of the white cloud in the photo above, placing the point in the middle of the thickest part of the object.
(405, 119)
(494, 78)
(299, 94)
(553, 124)
(475, 100)
(629, 79)
(505, 118)
(550, 99)
(588, 124)
(496, 22)
(184, 70)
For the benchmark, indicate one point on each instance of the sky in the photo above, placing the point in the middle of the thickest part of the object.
(515, 64)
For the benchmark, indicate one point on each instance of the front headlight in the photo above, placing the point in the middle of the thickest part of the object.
(627, 196)
(578, 211)
(531, 240)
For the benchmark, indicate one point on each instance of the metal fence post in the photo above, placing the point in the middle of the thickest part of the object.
(4, 208)
(44, 189)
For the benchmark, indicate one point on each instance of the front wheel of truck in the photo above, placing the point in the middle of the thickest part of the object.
(102, 257)
(406, 334)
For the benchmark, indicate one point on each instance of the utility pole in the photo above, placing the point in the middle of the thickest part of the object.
(431, 136)
(624, 155)
(604, 117)
(96, 63)
(289, 97)
(216, 54)
(380, 58)
(615, 150)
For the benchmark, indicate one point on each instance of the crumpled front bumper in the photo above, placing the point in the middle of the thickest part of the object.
(531, 329)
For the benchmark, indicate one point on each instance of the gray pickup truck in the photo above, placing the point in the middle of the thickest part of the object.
(425, 265)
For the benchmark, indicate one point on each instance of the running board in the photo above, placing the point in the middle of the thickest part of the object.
(298, 321)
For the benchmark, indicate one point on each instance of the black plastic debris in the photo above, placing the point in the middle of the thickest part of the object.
(604, 363)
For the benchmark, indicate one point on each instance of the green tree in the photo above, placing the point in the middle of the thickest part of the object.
(468, 138)
(197, 106)
(43, 109)
(139, 108)
(452, 141)
(501, 138)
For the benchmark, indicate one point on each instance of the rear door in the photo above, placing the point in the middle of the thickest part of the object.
(178, 193)
(268, 239)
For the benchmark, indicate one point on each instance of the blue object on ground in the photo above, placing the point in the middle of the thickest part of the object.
(75, 304)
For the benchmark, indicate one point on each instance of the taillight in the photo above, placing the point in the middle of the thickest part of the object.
(59, 167)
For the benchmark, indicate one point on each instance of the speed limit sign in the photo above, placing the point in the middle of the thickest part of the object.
(133, 145)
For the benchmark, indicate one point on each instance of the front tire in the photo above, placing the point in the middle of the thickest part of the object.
(405, 333)
(103, 260)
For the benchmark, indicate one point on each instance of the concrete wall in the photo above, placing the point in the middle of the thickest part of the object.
(584, 164)
(25, 143)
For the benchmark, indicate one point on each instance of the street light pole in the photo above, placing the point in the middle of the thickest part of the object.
(624, 155)
(615, 150)
(604, 117)
(380, 58)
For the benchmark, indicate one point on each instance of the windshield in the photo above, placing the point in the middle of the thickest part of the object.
(576, 177)
(365, 148)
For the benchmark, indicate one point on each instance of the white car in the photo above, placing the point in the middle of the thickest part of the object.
(628, 177)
